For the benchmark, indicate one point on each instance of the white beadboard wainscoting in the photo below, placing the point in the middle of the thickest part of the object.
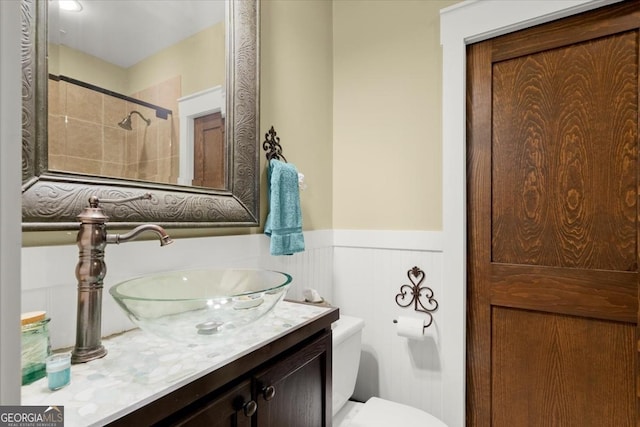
(369, 267)
(359, 271)
(49, 283)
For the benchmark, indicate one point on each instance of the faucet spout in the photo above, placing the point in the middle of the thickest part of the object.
(165, 239)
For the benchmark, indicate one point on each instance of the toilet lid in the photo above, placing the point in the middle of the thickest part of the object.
(383, 413)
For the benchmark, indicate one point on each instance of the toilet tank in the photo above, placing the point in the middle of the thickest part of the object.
(347, 339)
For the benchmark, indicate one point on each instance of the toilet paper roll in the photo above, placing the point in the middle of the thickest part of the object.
(410, 327)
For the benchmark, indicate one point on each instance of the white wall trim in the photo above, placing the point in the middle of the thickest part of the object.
(10, 211)
(508, 16)
(415, 240)
(461, 24)
(318, 239)
(191, 107)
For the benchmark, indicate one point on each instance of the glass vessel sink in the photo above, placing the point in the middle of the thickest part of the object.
(195, 305)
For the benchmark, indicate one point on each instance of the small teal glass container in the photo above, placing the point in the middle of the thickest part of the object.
(36, 345)
(58, 370)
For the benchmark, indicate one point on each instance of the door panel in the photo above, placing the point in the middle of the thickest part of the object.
(209, 152)
(552, 135)
(576, 366)
(564, 151)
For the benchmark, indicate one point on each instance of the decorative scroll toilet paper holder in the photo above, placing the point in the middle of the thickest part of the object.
(418, 295)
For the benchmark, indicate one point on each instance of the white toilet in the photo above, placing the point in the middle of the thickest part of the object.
(376, 412)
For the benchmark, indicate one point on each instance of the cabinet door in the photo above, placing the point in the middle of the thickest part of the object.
(233, 408)
(296, 390)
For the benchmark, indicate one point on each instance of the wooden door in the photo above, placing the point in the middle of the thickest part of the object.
(209, 154)
(552, 114)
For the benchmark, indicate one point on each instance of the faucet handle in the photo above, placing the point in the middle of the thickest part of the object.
(94, 201)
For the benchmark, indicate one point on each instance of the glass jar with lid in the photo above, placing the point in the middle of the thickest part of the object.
(36, 345)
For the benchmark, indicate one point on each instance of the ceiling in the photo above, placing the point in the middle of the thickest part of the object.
(123, 32)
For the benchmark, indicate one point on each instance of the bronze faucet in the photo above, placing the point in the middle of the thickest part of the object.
(91, 269)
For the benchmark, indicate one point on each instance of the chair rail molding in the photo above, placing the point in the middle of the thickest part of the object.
(417, 240)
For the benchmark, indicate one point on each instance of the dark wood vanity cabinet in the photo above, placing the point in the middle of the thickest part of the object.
(285, 383)
(233, 408)
(293, 391)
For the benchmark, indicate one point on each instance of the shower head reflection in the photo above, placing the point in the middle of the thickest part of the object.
(126, 122)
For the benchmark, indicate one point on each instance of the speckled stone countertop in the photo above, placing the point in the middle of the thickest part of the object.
(139, 368)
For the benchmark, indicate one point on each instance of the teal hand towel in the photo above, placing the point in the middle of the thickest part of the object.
(284, 221)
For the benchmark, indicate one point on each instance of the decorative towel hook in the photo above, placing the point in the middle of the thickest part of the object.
(417, 294)
(272, 146)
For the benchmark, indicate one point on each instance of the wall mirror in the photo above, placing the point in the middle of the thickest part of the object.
(123, 98)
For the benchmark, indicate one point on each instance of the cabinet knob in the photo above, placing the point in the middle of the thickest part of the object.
(269, 392)
(250, 408)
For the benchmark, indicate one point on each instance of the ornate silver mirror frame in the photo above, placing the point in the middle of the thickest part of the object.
(51, 200)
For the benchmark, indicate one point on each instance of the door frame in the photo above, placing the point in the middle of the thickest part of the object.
(191, 107)
(469, 22)
(10, 209)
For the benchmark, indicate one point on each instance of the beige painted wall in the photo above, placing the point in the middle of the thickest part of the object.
(87, 68)
(296, 79)
(185, 59)
(353, 89)
(387, 115)
(296, 97)
(188, 58)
